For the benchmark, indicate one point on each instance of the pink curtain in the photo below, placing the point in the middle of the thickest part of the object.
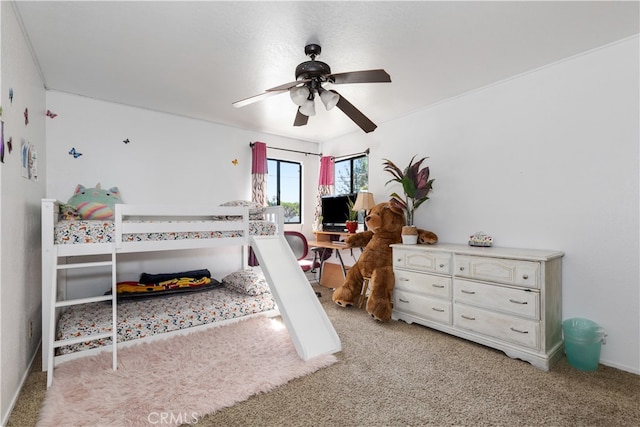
(259, 173)
(258, 182)
(326, 183)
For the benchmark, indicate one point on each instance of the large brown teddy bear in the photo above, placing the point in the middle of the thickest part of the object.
(384, 223)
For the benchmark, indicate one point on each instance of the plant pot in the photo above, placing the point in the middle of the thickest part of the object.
(409, 234)
(352, 226)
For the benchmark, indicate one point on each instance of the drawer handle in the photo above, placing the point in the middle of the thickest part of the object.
(517, 302)
(461, 268)
(441, 265)
(435, 285)
(399, 259)
(518, 330)
(468, 317)
(525, 276)
(403, 300)
(439, 310)
(467, 292)
(403, 279)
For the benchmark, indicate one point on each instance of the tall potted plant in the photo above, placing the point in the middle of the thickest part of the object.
(416, 186)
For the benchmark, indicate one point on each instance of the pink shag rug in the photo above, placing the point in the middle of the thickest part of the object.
(178, 380)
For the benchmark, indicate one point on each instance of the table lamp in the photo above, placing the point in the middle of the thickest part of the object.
(364, 202)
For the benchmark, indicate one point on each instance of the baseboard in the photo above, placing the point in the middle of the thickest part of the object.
(630, 369)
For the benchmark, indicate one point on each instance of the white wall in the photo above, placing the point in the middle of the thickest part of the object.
(547, 160)
(19, 213)
(169, 159)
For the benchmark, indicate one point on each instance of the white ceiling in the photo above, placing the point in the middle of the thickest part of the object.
(196, 58)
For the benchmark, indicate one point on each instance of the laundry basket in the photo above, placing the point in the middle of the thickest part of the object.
(583, 339)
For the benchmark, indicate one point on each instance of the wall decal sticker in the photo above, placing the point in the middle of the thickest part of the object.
(11, 95)
(26, 116)
(29, 159)
(234, 162)
(10, 144)
(126, 141)
(74, 153)
(50, 114)
(24, 150)
(1, 142)
(32, 162)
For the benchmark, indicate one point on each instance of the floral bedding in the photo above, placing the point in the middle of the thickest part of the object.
(94, 231)
(143, 318)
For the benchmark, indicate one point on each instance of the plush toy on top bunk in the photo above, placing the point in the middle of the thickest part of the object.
(91, 203)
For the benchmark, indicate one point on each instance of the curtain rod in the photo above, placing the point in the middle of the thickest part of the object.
(251, 144)
(353, 155)
(306, 153)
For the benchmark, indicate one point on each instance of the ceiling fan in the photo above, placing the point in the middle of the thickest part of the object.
(310, 76)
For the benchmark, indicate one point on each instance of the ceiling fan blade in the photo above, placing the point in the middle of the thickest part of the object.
(354, 114)
(300, 119)
(269, 92)
(288, 86)
(365, 76)
(256, 98)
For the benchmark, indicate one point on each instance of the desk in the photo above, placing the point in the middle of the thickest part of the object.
(330, 240)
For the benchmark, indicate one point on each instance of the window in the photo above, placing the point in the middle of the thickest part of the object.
(284, 188)
(352, 175)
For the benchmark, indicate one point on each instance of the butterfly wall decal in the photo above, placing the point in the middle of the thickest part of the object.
(126, 141)
(234, 162)
(74, 153)
(26, 116)
(50, 114)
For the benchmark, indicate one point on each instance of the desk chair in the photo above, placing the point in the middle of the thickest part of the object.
(300, 247)
(364, 293)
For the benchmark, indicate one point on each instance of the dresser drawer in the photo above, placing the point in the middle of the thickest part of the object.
(511, 272)
(497, 325)
(421, 306)
(421, 283)
(435, 262)
(498, 298)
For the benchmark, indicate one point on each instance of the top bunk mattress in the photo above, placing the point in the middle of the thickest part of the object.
(96, 231)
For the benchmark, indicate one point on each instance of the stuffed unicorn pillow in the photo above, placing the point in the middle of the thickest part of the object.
(95, 203)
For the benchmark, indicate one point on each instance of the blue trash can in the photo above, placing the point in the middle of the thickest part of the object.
(582, 342)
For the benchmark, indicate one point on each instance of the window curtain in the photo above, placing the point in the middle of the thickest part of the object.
(325, 187)
(259, 173)
(258, 183)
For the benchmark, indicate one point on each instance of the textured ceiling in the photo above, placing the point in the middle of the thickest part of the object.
(196, 58)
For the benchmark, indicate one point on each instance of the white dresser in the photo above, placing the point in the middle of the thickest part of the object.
(505, 298)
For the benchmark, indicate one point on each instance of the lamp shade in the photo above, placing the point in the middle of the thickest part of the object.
(364, 201)
(329, 99)
(308, 108)
(299, 94)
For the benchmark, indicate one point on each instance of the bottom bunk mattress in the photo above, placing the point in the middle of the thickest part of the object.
(142, 318)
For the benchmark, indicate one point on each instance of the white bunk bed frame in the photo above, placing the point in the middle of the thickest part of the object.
(56, 258)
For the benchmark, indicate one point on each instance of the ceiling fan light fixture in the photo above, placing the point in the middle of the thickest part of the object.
(299, 95)
(308, 108)
(329, 99)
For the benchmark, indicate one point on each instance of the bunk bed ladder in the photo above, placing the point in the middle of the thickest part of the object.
(55, 304)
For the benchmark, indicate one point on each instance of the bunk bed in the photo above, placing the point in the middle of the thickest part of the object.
(89, 244)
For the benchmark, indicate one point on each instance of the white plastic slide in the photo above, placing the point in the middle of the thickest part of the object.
(310, 328)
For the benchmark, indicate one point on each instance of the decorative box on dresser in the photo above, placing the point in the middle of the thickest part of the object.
(505, 298)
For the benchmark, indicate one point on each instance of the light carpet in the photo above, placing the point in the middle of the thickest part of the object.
(178, 380)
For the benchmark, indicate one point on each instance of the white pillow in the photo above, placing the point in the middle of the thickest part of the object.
(248, 281)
